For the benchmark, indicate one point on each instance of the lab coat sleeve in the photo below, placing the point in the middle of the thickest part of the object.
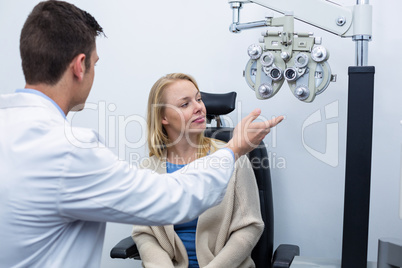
(96, 186)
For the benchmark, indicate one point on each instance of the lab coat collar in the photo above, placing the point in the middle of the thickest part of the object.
(36, 92)
(22, 99)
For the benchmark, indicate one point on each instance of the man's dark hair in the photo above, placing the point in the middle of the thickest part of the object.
(54, 33)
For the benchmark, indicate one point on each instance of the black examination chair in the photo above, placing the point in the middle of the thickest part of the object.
(221, 104)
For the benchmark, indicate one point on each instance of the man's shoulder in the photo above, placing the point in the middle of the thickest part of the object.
(81, 137)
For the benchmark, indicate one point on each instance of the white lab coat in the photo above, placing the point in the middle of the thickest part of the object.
(57, 193)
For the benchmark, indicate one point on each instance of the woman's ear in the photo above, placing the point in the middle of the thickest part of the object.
(78, 65)
(164, 121)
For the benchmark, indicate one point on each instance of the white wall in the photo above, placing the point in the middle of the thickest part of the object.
(151, 38)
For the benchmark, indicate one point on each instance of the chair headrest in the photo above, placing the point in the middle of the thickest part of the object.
(219, 104)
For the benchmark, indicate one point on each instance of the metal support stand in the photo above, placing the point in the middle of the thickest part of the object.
(360, 113)
(358, 167)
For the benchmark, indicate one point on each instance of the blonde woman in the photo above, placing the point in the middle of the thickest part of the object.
(223, 236)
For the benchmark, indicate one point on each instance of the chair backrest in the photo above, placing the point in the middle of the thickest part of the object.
(219, 104)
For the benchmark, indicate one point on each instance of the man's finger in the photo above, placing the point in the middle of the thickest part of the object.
(273, 122)
(252, 116)
(267, 124)
(277, 120)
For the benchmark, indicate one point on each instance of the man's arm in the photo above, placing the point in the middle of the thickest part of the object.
(95, 186)
(98, 187)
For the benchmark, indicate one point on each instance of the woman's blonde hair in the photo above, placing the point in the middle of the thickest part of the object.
(157, 136)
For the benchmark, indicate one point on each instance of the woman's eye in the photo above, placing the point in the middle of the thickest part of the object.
(199, 100)
(184, 105)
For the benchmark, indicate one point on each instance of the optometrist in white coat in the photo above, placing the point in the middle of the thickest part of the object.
(58, 191)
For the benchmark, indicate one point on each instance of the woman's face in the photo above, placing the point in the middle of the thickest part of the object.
(184, 112)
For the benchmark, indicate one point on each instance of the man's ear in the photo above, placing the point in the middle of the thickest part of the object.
(78, 65)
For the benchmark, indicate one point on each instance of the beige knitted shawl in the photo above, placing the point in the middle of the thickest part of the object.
(225, 234)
